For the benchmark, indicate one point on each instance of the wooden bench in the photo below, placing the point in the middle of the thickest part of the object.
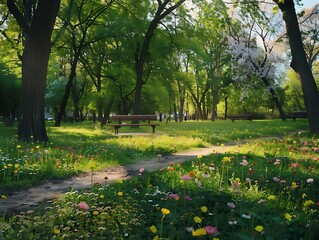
(132, 119)
(299, 114)
(234, 117)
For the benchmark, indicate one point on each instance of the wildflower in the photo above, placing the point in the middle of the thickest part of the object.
(189, 229)
(83, 205)
(310, 180)
(275, 179)
(204, 209)
(246, 216)
(18, 146)
(191, 173)
(142, 170)
(156, 237)
(188, 198)
(231, 205)
(174, 196)
(244, 162)
(3, 196)
(288, 216)
(199, 157)
(259, 228)
(153, 229)
(226, 159)
(294, 185)
(234, 222)
(120, 194)
(277, 162)
(283, 181)
(248, 180)
(101, 196)
(56, 230)
(199, 232)
(197, 219)
(186, 177)
(95, 212)
(303, 195)
(120, 181)
(210, 230)
(236, 184)
(295, 165)
(165, 211)
(308, 203)
(272, 197)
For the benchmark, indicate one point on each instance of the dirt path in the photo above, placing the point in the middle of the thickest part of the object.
(28, 199)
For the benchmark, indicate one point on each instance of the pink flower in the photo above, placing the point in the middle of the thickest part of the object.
(186, 177)
(244, 162)
(142, 170)
(295, 165)
(236, 184)
(283, 181)
(210, 230)
(174, 196)
(83, 205)
(231, 205)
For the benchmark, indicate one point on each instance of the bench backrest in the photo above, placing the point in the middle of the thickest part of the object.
(241, 116)
(148, 117)
(299, 113)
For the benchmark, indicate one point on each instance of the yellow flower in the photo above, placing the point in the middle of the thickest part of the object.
(204, 209)
(199, 157)
(16, 165)
(272, 197)
(226, 159)
(120, 181)
(197, 219)
(222, 144)
(120, 194)
(288, 216)
(259, 228)
(294, 185)
(101, 196)
(215, 238)
(3, 196)
(56, 230)
(165, 211)
(19, 146)
(304, 195)
(199, 232)
(37, 147)
(10, 165)
(308, 203)
(153, 229)
(155, 238)
(95, 212)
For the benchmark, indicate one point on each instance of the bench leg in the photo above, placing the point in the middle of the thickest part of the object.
(116, 130)
(153, 129)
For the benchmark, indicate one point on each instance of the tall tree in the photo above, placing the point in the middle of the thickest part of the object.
(36, 19)
(299, 62)
(164, 8)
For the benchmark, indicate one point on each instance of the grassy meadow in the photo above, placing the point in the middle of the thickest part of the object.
(264, 187)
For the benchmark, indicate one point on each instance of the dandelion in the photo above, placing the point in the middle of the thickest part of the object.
(203, 209)
(272, 197)
(18, 146)
(120, 194)
(210, 230)
(199, 232)
(95, 212)
(120, 181)
(156, 237)
(83, 206)
(56, 230)
(153, 229)
(288, 216)
(226, 159)
(259, 228)
(3, 196)
(294, 185)
(308, 203)
(165, 211)
(197, 219)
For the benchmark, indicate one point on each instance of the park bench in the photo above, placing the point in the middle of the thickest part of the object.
(146, 121)
(234, 117)
(299, 114)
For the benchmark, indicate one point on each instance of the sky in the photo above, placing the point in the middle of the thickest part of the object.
(309, 3)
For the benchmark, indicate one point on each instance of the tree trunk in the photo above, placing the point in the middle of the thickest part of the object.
(214, 104)
(35, 59)
(299, 63)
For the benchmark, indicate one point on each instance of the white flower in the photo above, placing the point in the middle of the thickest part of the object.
(310, 180)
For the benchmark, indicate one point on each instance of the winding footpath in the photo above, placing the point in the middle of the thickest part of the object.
(28, 199)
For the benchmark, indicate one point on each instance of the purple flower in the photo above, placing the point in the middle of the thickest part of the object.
(188, 198)
(276, 179)
(174, 196)
(231, 205)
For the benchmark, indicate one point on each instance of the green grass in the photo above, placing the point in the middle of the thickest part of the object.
(267, 188)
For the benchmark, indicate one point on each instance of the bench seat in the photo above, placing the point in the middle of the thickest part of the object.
(137, 118)
(234, 117)
(299, 114)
